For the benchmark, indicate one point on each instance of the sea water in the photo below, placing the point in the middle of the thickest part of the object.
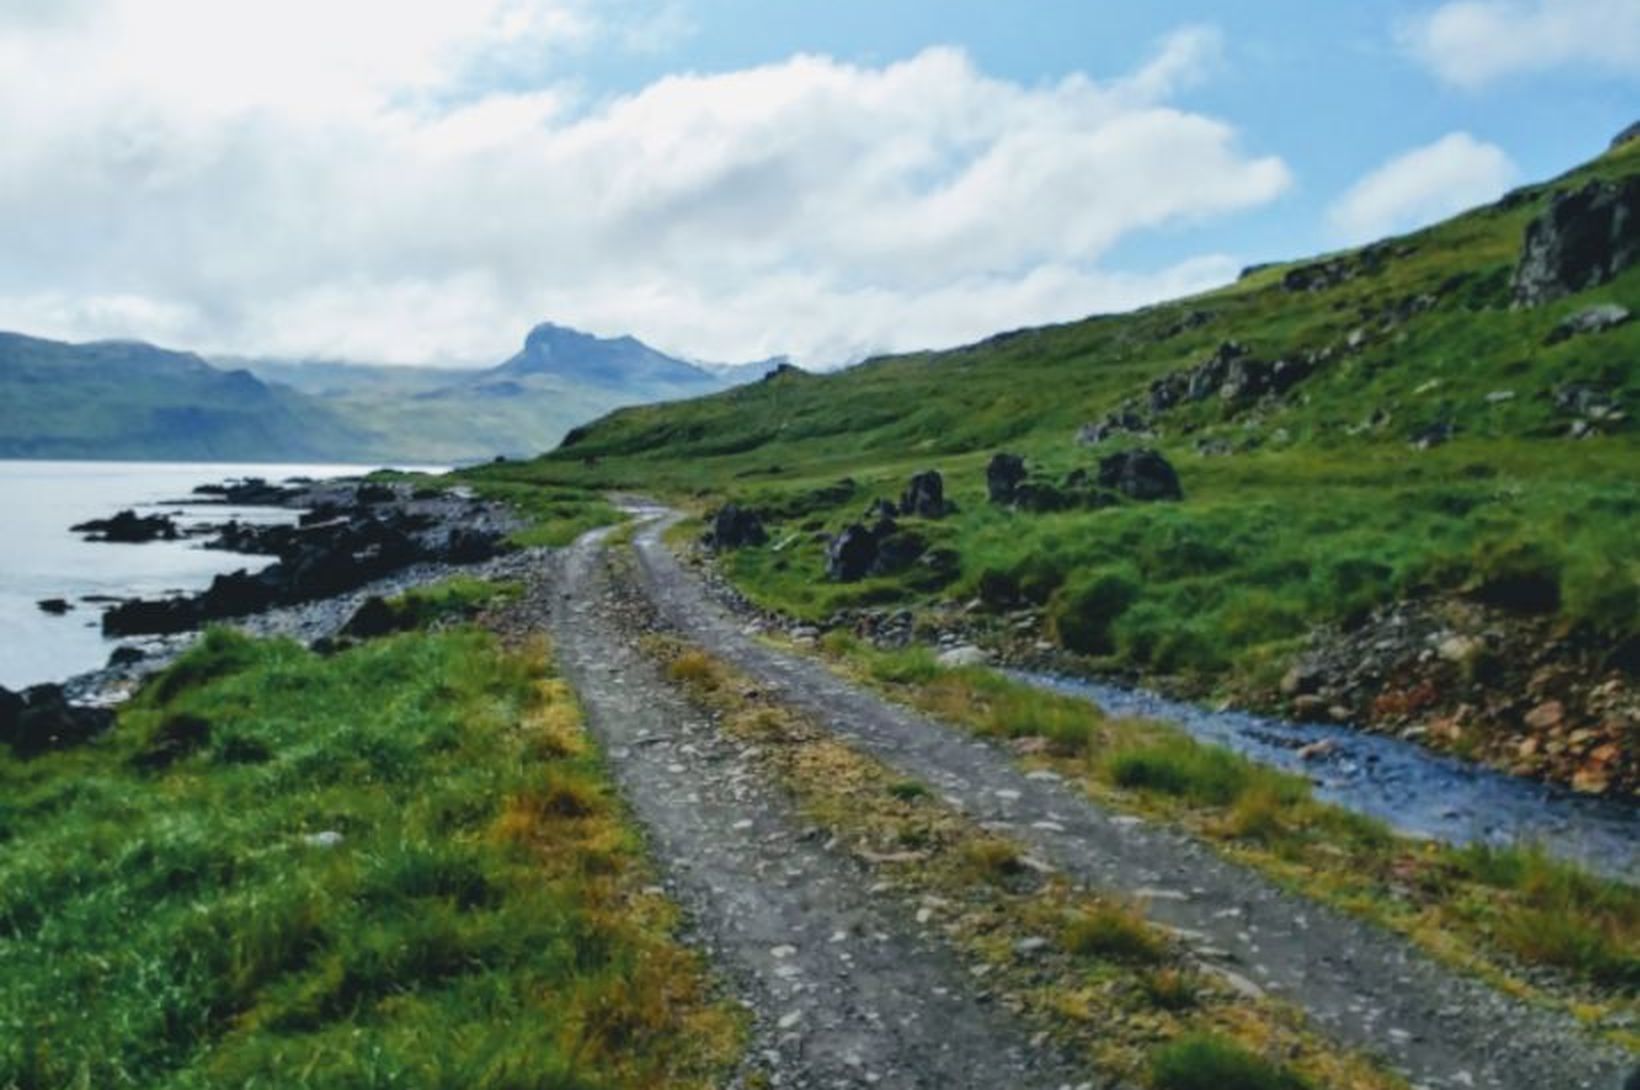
(40, 558)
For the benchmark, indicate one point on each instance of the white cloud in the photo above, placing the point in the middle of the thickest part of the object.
(248, 183)
(1423, 185)
(1474, 42)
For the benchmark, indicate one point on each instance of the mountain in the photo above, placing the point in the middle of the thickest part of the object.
(622, 364)
(123, 399)
(338, 378)
(560, 378)
(1410, 480)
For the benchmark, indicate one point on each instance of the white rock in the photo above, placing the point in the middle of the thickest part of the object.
(964, 655)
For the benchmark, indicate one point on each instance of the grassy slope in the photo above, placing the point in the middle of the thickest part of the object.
(1320, 521)
(117, 400)
(171, 914)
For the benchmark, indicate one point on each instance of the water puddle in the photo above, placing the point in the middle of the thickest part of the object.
(1413, 790)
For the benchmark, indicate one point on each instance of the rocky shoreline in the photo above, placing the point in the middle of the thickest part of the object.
(352, 540)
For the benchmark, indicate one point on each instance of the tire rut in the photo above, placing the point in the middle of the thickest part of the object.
(842, 993)
(1364, 986)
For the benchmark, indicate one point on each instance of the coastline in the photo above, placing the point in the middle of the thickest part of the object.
(444, 511)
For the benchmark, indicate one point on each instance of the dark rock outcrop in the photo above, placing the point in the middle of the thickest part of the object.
(880, 549)
(40, 719)
(54, 606)
(851, 554)
(882, 509)
(248, 492)
(375, 618)
(735, 527)
(1582, 240)
(129, 528)
(1003, 475)
(924, 496)
(1434, 435)
(1140, 475)
(1120, 422)
(1596, 319)
(318, 560)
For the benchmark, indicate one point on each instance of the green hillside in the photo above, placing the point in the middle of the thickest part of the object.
(1378, 425)
(118, 399)
(121, 399)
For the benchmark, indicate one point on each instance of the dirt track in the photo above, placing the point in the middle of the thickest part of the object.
(1365, 987)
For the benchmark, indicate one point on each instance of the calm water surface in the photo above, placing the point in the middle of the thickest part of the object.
(39, 558)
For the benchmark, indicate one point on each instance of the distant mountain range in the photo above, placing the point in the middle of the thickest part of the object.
(129, 400)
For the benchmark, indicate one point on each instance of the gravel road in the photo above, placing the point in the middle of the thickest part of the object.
(843, 992)
(1366, 987)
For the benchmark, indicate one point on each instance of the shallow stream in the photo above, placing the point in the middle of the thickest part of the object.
(1413, 790)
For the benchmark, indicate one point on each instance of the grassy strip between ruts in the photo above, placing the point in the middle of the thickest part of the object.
(1537, 927)
(1086, 971)
(400, 865)
(556, 516)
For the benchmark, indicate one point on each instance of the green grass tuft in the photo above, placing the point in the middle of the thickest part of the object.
(1209, 1063)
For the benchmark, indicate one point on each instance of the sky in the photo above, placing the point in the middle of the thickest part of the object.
(418, 182)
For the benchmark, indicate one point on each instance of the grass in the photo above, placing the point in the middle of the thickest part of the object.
(1113, 989)
(1502, 911)
(1322, 513)
(1113, 932)
(453, 599)
(396, 866)
(556, 516)
(1206, 1063)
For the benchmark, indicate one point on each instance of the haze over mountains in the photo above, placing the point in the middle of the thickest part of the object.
(129, 400)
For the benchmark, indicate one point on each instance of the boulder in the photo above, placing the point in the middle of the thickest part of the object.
(1166, 392)
(466, 545)
(851, 554)
(54, 606)
(1585, 399)
(735, 527)
(1121, 422)
(1003, 474)
(239, 593)
(1433, 436)
(40, 719)
(1595, 319)
(125, 655)
(896, 551)
(924, 496)
(882, 509)
(374, 618)
(1140, 475)
(1040, 497)
(159, 616)
(371, 493)
(11, 709)
(962, 655)
(129, 528)
(1582, 240)
(249, 492)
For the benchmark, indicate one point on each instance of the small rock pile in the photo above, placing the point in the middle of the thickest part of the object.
(1458, 675)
